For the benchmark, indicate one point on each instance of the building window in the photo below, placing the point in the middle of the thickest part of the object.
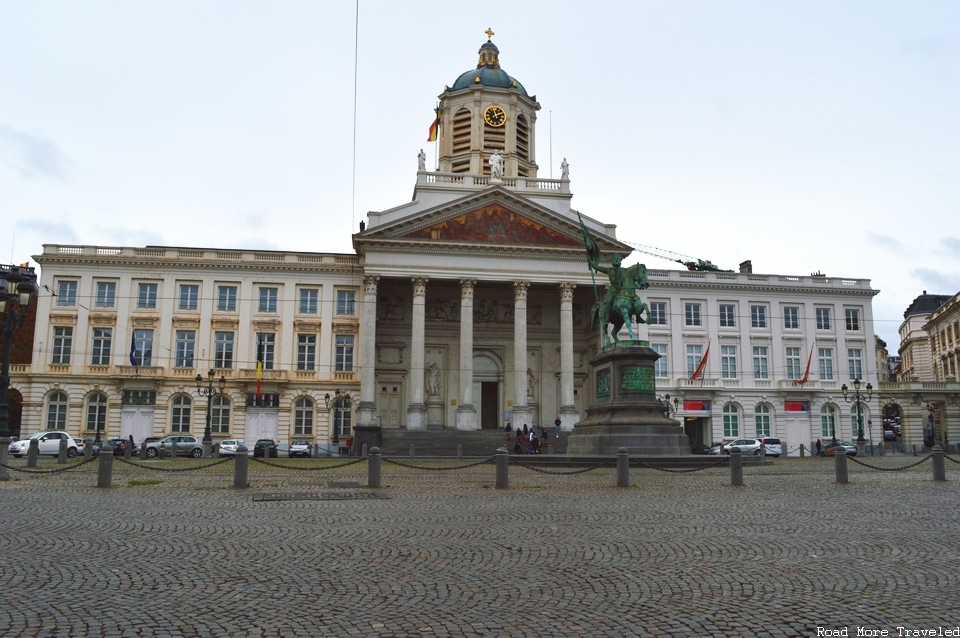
(791, 318)
(143, 347)
(223, 350)
(761, 368)
(657, 315)
(855, 363)
(268, 300)
(793, 363)
(62, 345)
(57, 411)
(147, 296)
(825, 357)
(694, 356)
(186, 345)
(100, 355)
(823, 318)
(660, 365)
(309, 301)
(828, 421)
(347, 302)
(728, 316)
(758, 316)
(728, 362)
(692, 313)
(266, 348)
(344, 354)
(731, 421)
(180, 409)
(96, 412)
(762, 415)
(306, 352)
(343, 419)
(303, 417)
(226, 299)
(106, 294)
(189, 297)
(853, 319)
(220, 415)
(67, 293)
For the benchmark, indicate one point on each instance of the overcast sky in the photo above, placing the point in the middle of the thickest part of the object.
(805, 136)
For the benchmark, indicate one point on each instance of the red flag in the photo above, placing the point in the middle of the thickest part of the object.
(259, 366)
(702, 366)
(435, 127)
(806, 375)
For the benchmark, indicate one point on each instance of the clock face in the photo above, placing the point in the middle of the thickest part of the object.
(494, 116)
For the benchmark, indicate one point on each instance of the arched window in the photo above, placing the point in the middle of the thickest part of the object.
(731, 421)
(96, 412)
(828, 421)
(303, 417)
(57, 411)
(220, 415)
(762, 415)
(181, 407)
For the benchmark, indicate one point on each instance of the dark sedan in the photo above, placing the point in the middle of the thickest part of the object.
(265, 448)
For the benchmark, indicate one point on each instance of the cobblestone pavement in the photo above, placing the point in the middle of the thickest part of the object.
(446, 554)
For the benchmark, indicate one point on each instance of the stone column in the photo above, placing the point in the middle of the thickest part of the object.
(416, 409)
(568, 411)
(520, 413)
(466, 411)
(367, 408)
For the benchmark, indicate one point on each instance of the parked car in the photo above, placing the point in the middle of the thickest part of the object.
(265, 448)
(229, 447)
(716, 449)
(184, 445)
(889, 435)
(771, 446)
(747, 446)
(299, 448)
(832, 448)
(81, 445)
(48, 444)
(119, 445)
(700, 448)
(149, 439)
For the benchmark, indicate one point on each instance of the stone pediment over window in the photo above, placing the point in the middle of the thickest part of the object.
(493, 224)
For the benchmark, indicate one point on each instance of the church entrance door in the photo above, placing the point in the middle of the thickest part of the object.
(489, 401)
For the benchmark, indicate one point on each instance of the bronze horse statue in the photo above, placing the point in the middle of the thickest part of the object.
(621, 303)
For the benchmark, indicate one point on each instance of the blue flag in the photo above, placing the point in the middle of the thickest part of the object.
(133, 348)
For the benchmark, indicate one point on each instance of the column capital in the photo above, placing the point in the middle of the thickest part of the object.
(370, 283)
(520, 289)
(466, 287)
(419, 286)
(566, 291)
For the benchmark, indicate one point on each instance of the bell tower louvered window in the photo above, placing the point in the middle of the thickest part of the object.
(523, 138)
(461, 141)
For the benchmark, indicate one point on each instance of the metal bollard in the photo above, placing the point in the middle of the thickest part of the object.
(215, 452)
(33, 452)
(241, 467)
(128, 450)
(373, 468)
(316, 450)
(62, 452)
(801, 450)
(105, 468)
(412, 450)
(207, 447)
(4, 458)
(736, 466)
(623, 468)
(87, 449)
(841, 467)
(364, 452)
(503, 466)
(883, 448)
(143, 451)
(459, 450)
(939, 473)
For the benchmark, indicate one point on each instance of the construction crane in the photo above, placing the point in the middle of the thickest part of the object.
(692, 263)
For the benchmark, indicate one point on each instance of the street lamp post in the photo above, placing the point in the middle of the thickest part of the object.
(18, 284)
(667, 405)
(857, 398)
(338, 402)
(210, 392)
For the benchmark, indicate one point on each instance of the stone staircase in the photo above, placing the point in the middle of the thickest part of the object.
(444, 442)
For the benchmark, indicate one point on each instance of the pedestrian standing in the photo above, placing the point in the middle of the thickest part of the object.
(556, 426)
(819, 448)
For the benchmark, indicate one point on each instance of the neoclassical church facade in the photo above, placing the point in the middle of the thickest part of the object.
(462, 309)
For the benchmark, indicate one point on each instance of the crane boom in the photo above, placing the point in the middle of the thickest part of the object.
(692, 263)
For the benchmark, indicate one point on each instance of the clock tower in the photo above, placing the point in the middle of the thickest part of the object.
(486, 111)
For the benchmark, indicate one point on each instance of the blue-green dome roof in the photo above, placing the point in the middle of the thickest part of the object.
(489, 72)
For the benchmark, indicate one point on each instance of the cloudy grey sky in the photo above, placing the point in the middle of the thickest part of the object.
(803, 135)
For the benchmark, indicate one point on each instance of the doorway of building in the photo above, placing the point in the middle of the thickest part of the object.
(487, 375)
(489, 405)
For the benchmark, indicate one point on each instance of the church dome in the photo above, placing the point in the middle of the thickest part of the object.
(488, 72)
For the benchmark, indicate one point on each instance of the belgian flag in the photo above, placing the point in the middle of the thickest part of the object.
(259, 366)
(435, 127)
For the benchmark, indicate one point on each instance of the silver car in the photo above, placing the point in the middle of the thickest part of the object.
(184, 445)
(229, 447)
(48, 443)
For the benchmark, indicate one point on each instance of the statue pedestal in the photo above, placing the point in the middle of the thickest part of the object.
(434, 412)
(626, 413)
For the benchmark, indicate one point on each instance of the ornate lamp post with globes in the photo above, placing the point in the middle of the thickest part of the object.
(210, 392)
(18, 285)
(857, 398)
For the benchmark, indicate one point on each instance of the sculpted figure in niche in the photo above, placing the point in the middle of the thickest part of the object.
(496, 165)
(431, 379)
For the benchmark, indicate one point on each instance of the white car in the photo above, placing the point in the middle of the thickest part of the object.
(747, 446)
(48, 443)
(229, 447)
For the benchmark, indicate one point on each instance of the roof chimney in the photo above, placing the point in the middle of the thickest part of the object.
(746, 267)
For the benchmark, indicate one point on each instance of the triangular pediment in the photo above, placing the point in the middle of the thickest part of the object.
(494, 224)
